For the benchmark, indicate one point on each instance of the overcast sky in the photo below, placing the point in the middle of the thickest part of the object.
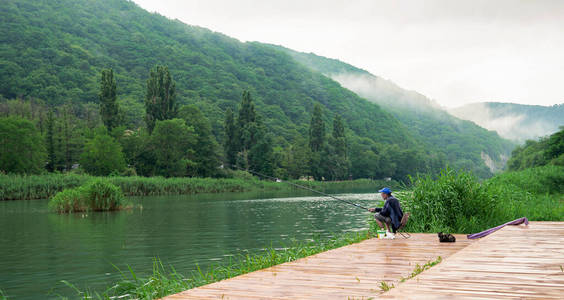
(454, 52)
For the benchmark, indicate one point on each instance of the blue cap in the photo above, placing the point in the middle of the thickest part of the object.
(385, 190)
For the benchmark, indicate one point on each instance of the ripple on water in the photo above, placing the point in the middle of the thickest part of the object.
(44, 248)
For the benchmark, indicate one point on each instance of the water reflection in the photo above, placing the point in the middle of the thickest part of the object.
(38, 248)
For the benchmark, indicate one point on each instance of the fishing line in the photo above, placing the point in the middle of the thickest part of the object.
(301, 186)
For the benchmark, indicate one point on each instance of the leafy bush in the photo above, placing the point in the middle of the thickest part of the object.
(442, 204)
(102, 155)
(21, 146)
(458, 202)
(96, 195)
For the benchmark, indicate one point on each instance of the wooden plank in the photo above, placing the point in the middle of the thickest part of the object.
(353, 271)
(515, 262)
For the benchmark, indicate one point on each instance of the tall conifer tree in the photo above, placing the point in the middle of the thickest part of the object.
(247, 124)
(339, 136)
(316, 130)
(109, 108)
(230, 144)
(51, 159)
(160, 99)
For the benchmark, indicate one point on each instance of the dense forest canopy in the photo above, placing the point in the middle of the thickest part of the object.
(53, 55)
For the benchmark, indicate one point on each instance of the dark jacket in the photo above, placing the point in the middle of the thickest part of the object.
(393, 210)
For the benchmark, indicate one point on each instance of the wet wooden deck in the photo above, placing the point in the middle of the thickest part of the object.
(515, 262)
(350, 272)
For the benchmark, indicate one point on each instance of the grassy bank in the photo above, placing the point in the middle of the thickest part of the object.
(166, 280)
(19, 187)
(459, 202)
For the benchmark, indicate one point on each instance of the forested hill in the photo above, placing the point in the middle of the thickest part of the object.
(517, 122)
(54, 52)
(463, 143)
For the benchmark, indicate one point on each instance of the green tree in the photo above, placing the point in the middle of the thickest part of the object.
(250, 130)
(316, 130)
(109, 107)
(555, 145)
(70, 139)
(337, 160)
(160, 99)
(339, 141)
(172, 143)
(205, 149)
(21, 145)
(261, 156)
(102, 155)
(297, 158)
(247, 123)
(230, 144)
(318, 157)
(50, 141)
(139, 154)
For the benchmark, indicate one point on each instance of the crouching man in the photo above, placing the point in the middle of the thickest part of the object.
(390, 214)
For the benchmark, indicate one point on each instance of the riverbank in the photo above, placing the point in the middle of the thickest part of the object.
(165, 281)
(27, 187)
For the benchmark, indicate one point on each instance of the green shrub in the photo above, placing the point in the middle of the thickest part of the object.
(447, 203)
(458, 202)
(96, 195)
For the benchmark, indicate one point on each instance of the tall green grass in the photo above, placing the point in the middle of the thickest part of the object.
(548, 179)
(459, 202)
(96, 195)
(19, 187)
(166, 280)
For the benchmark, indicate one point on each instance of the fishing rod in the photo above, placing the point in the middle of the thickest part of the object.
(301, 186)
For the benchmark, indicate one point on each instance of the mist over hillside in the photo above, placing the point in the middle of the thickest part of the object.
(516, 122)
(463, 143)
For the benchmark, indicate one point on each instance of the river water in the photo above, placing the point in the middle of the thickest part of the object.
(38, 248)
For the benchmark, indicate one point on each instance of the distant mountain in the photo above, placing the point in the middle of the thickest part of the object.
(517, 122)
(463, 143)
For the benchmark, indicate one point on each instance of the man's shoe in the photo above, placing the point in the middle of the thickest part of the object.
(390, 235)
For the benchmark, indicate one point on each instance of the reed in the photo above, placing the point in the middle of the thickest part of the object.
(20, 187)
(96, 195)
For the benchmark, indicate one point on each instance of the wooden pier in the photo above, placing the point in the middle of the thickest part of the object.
(514, 262)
